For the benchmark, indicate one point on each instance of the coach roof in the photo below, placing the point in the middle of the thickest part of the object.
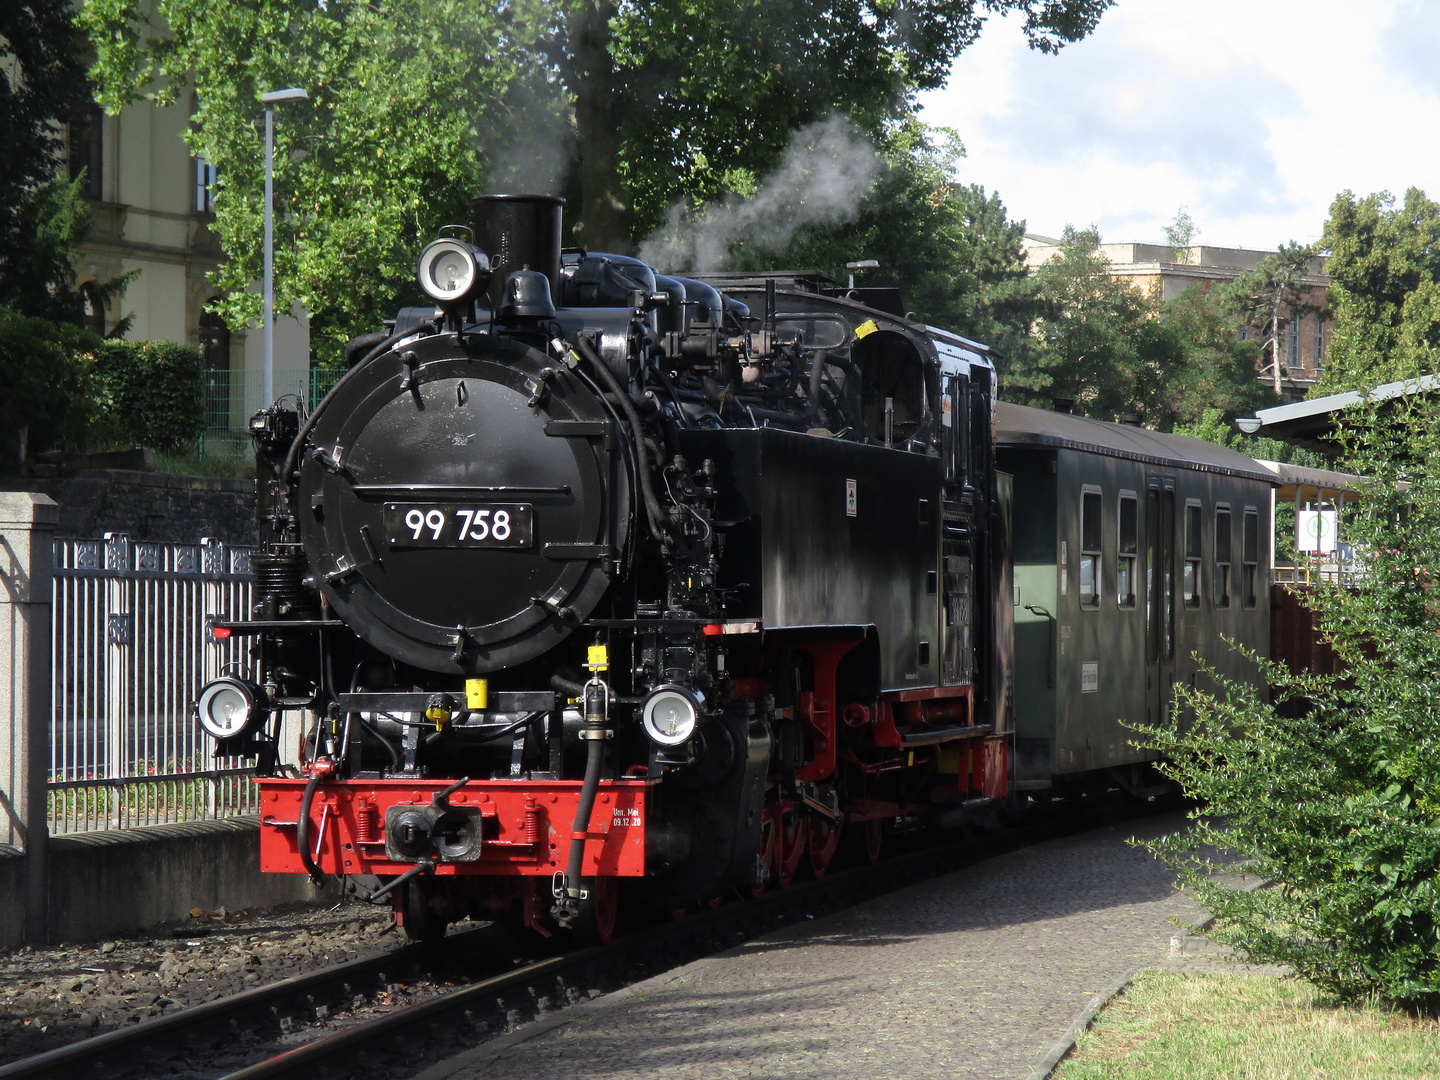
(1018, 426)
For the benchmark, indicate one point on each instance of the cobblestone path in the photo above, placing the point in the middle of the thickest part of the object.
(973, 976)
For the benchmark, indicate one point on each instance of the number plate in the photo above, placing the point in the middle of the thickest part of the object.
(471, 525)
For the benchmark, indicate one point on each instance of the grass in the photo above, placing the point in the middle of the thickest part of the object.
(1173, 1026)
(239, 466)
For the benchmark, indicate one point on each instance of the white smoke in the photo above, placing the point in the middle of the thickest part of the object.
(827, 169)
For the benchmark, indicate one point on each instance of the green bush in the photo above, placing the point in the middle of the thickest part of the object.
(70, 390)
(1332, 793)
(48, 388)
(150, 392)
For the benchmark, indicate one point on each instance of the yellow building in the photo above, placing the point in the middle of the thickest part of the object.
(151, 202)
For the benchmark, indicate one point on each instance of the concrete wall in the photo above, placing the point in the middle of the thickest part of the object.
(106, 883)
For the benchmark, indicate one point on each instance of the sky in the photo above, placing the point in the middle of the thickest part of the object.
(1251, 114)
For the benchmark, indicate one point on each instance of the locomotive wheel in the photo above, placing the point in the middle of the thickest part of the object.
(792, 848)
(767, 853)
(599, 912)
(873, 836)
(422, 921)
(824, 841)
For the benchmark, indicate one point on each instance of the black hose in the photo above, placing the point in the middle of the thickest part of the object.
(653, 511)
(817, 369)
(594, 758)
(293, 457)
(302, 829)
(389, 746)
(569, 687)
(359, 346)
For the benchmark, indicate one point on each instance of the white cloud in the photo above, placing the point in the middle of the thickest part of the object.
(1254, 116)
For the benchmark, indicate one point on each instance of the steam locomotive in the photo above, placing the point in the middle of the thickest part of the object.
(584, 573)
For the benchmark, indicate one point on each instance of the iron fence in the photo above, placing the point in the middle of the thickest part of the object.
(131, 649)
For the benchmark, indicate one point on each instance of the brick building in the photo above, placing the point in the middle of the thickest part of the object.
(1304, 335)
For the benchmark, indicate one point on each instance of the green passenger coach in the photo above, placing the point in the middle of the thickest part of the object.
(1136, 554)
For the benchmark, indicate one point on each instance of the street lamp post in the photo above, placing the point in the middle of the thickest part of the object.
(267, 388)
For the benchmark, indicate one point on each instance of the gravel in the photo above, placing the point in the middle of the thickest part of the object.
(51, 996)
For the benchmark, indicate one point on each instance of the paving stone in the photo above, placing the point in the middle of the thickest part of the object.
(968, 977)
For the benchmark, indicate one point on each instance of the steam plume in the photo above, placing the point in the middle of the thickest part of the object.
(827, 169)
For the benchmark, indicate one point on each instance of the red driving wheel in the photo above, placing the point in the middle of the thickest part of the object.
(824, 840)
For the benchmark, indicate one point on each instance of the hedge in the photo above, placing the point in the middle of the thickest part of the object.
(72, 391)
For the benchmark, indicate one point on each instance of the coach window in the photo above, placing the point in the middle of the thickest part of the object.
(1091, 510)
(1250, 555)
(1127, 551)
(1222, 556)
(1191, 585)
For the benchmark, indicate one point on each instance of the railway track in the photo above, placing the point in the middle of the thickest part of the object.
(204, 1041)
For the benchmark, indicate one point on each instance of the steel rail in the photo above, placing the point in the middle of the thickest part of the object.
(92, 1056)
(414, 1026)
(655, 949)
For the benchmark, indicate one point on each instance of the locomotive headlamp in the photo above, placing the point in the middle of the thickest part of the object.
(229, 707)
(451, 271)
(670, 714)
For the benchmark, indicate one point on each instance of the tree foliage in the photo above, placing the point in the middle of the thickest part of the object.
(417, 102)
(1333, 793)
(1384, 266)
(403, 97)
(42, 215)
(692, 99)
(950, 246)
(1270, 295)
(48, 391)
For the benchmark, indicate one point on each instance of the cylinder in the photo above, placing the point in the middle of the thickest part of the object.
(280, 589)
(519, 231)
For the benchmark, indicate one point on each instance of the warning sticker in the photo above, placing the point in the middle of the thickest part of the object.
(851, 500)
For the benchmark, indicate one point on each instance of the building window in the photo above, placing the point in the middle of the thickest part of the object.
(1127, 550)
(215, 348)
(1250, 554)
(1243, 334)
(204, 186)
(1191, 585)
(1091, 511)
(1292, 342)
(94, 310)
(1222, 557)
(87, 150)
(1319, 342)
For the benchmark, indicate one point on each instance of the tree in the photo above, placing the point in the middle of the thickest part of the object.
(416, 101)
(697, 98)
(1097, 340)
(1270, 294)
(1384, 266)
(42, 215)
(404, 96)
(1332, 793)
(950, 246)
(1219, 368)
(1180, 234)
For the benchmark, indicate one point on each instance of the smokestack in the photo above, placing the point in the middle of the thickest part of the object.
(519, 231)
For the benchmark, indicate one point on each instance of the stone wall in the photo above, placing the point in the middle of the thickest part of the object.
(152, 507)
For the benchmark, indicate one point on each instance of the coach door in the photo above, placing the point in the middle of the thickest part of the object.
(1159, 597)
